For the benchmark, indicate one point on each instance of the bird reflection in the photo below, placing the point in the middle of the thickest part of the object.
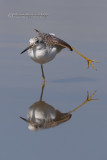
(42, 115)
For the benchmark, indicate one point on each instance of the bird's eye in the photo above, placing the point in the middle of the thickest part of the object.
(37, 41)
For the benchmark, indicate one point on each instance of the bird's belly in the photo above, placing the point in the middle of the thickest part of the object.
(42, 56)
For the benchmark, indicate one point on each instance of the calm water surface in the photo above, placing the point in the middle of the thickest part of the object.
(67, 82)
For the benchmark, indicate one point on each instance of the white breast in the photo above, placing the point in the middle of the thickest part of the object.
(43, 55)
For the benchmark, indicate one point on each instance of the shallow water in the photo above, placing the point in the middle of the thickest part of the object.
(67, 82)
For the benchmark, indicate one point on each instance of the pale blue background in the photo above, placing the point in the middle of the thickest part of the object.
(83, 24)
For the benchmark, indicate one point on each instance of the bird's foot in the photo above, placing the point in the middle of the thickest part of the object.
(89, 61)
(89, 98)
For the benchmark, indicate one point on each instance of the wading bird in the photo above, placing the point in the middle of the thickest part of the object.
(44, 48)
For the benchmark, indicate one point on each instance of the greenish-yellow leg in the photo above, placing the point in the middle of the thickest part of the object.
(43, 77)
(89, 98)
(43, 85)
(89, 61)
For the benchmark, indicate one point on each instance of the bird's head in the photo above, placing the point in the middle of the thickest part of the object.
(34, 42)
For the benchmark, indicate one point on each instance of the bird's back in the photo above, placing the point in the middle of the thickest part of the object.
(51, 40)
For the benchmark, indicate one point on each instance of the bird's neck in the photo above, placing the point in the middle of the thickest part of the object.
(39, 47)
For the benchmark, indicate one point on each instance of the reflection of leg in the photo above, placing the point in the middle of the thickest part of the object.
(88, 60)
(43, 77)
(43, 85)
(87, 100)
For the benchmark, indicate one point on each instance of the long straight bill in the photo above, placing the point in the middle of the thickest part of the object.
(30, 46)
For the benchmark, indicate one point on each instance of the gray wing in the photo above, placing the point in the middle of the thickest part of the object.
(51, 40)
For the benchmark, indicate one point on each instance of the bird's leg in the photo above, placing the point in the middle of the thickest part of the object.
(43, 85)
(43, 77)
(89, 61)
(89, 98)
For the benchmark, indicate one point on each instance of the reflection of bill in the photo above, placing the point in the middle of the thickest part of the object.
(42, 115)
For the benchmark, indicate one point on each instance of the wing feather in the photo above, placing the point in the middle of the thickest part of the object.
(51, 40)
